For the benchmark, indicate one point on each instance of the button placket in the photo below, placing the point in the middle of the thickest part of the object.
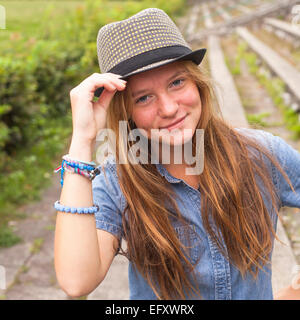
(221, 272)
(220, 264)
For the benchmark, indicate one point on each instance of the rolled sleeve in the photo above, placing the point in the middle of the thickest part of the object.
(108, 196)
(289, 159)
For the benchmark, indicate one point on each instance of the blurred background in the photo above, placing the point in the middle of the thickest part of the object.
(49, 47)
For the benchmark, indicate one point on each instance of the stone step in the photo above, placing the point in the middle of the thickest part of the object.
(276, 63)
(293, 30)
(258, 14)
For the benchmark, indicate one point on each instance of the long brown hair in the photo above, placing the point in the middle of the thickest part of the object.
(231, 199)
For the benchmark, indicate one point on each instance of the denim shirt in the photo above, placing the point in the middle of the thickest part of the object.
(217, 278)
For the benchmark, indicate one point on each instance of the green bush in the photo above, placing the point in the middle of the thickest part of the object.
(37, 72)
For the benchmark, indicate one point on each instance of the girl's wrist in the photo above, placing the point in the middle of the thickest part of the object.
(81, 149)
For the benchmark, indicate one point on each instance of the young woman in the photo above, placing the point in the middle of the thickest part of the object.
(207, 235)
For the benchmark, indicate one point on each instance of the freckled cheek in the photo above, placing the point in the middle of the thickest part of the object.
(144, 118)
(191, 98)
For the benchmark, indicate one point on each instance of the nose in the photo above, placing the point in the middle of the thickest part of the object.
(168, 106)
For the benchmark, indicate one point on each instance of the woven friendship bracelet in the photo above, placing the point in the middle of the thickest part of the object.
(87, 171)
(69, 168)
(84, 168)
(68, 158)
(88, 210)
(80, 166)
(88, 174)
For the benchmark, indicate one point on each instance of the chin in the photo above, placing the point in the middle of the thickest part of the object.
(177, 137)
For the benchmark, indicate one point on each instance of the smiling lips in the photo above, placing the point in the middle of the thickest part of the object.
(175, 124)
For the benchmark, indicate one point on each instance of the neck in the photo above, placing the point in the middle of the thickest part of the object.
(178, 169)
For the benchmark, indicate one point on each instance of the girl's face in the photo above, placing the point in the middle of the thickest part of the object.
(165, 99)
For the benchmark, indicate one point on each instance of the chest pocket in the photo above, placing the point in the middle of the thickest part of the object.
(187, 235)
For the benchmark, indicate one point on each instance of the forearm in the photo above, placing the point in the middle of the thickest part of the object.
(77, 262)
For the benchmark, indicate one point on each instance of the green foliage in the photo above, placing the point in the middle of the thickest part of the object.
(29, 169)
(258, 119)
(234, 66)
(7, 237)
(37, 244)
(41, 59)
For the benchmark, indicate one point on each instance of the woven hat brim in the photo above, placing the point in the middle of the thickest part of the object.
(195, 56)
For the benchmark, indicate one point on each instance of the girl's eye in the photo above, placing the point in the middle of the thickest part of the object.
(177, 82)
(141, 99)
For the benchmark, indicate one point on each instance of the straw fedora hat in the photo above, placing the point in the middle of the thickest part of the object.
(146, 40)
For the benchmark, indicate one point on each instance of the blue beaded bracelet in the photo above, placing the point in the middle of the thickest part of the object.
(89, 210)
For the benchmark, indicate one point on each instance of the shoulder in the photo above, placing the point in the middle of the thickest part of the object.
(286, 156)
(109, 198)
(277, 145)
(259, 135)
(274, 144)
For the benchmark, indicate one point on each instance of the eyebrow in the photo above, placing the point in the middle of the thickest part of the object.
(170, 78)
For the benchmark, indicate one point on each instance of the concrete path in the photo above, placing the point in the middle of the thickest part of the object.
(30, 265)
(227, 94)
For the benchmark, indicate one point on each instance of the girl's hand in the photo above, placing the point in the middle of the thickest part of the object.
(89, 117)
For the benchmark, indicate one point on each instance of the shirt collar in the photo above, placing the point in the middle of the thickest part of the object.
(164, 172)
(160, 168)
